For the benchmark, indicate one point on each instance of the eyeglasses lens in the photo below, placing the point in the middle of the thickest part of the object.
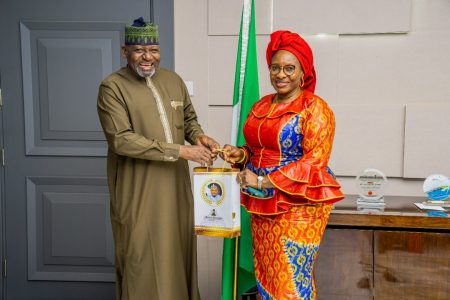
(288, 69)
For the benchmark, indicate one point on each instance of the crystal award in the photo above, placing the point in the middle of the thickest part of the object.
(371, 185)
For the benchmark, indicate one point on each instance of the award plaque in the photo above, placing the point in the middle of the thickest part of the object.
(437, 189)
(371, 185)
(370, 209)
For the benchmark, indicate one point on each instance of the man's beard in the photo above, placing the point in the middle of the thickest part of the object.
(142, 73)
(145, 73)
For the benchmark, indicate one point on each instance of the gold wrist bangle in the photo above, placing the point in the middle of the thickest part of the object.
(243, 157)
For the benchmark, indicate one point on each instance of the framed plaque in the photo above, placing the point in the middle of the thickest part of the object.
(371, 185)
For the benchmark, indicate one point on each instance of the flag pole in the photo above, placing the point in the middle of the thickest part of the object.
(236, 259)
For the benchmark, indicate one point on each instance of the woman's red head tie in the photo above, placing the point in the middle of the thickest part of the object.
(292, 42)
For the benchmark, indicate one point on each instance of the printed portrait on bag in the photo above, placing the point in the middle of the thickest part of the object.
(214, 192)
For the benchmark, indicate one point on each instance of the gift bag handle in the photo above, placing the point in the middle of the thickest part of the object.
(224, 161)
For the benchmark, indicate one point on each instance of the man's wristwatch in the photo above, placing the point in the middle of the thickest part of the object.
(259, 180)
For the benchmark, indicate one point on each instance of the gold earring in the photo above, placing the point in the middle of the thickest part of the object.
(302, 82)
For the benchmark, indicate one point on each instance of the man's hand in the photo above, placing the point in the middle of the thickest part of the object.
(199, 154)
(210, 143)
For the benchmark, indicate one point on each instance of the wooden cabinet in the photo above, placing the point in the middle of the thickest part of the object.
(344, 268)
(378, 264)
(386, 255)
(411, 265)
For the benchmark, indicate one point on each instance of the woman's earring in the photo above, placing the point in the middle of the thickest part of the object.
(302, 82)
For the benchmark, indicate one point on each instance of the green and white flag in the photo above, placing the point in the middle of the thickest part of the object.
(237, 261)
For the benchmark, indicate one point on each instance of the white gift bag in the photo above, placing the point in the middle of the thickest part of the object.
(217, 202)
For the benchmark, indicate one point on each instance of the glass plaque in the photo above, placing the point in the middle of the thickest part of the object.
(437, 188)
(370, 209)
(371, 185)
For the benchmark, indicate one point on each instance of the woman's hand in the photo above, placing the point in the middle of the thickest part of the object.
(247, 178)
(232, 154)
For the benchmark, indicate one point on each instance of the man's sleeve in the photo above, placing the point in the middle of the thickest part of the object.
(119, 133)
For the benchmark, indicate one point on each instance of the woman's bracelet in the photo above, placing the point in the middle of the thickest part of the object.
(243, 157)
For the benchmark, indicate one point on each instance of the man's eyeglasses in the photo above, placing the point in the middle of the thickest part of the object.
(288, 69)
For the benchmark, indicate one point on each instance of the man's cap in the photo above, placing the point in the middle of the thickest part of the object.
(141, 33)
(215, 185)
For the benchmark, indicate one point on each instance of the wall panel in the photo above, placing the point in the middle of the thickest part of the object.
(345, 16)
(427, 145)
(224, 17)
(368, 136)
(394, 69)
(326, 63)
(219, 121)
(430, 15)
(222, 68)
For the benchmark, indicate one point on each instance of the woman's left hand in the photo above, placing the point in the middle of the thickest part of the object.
(247, 178)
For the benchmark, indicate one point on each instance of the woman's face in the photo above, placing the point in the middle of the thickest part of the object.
(285, 84)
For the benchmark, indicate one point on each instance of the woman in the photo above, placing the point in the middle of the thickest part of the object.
(286, 185)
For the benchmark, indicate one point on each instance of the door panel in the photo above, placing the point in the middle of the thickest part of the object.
(53, 56)
(69, 233)
(64, 62)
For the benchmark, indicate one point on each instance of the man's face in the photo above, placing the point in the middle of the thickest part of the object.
(144, 60)
(214, 191)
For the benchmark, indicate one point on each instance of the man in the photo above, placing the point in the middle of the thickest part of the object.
(146, 114)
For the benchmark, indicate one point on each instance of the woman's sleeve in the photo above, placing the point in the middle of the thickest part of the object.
(309, 177)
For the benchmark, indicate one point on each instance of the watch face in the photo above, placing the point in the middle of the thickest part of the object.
(259, 180)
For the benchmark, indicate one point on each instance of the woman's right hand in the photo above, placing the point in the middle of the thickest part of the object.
(232, 154)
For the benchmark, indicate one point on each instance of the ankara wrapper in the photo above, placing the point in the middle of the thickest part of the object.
(151, 199)
(291, 145)
(284, 250)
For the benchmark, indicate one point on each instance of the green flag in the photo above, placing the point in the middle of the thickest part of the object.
(237, 260)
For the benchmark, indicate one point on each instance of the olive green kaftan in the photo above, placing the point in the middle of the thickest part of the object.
(151, 198)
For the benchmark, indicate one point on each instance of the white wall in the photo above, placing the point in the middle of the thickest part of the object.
(382, 65)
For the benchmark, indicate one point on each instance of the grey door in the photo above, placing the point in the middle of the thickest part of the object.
(55, 230)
